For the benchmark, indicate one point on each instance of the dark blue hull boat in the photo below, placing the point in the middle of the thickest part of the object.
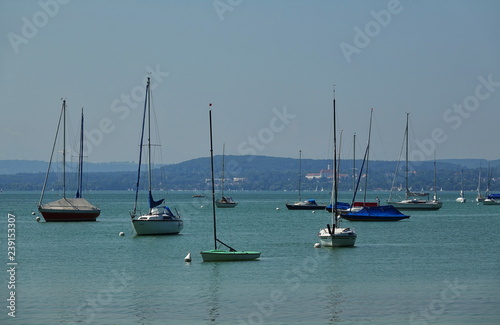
(378, 213)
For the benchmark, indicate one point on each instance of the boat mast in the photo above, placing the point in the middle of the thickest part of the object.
(222, 182)
(368, 155)
(52, 153)
(149, 138)
(487, 192)
(140, 149)
(300, 171)
(340, 150)
(461, 182)
(479, 182)
(406, 166)
(212, 169)
(335, 175)
(435, 182)
(354, 163)
(64, 149)
(80, 162)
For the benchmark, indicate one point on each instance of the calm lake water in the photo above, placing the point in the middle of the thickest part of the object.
(440, 267)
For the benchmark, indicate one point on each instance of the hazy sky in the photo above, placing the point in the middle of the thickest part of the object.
(268, 68)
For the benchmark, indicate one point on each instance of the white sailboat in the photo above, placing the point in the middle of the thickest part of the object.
(216, 254)
(415, 201)
(160, 220)
(336, 236)
(461, 198)
(479, 197)
(68, 209)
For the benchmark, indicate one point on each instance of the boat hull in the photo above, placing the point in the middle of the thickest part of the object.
(69, 210)
(416, 205)
(226, 205)
(373, 218)
(68, 215)
(299, 206)
(157, 223)
(491, 202)
(157, 227)
(342, 237)
(376, 213)
(216, 255)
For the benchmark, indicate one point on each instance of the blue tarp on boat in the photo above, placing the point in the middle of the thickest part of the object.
(340, 206)
(378, 213)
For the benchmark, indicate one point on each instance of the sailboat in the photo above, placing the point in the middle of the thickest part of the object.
(480, 197)
(491, 198)
(309, 204)
(160, 220)
(413, 200)
(215, 255)
(225, 201)
(461, 198)
(68, 209)
(336, 236)
(368, 211)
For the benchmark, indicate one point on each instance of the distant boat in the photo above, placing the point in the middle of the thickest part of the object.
(336, 236)
(198, 195)
(342, 207)
(479, 197)
(492, 199)
(159, 220)
(377, 213)
(218, 255)
(68, 209)
(461, 198)
(225, 201)
(414, 201)
(306, 204)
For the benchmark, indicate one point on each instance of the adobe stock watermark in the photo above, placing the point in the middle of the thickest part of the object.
(30, 27)
(223, 6)
(123, 105)
(11, 265)
(437, 306)
(277, 124)
(455, 117)
(363, 37)
(89, 310)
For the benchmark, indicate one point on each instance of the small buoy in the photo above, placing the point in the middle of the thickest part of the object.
(317, 245)
(32, 213)
(201, 207)
(313, 211)
(277, 209)
(187, 258)
(121, 233)
(37, 219)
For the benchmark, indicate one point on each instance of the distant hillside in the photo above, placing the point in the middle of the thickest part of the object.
(254, 173)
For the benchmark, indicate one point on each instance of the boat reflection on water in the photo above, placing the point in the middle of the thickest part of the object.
(213, 296)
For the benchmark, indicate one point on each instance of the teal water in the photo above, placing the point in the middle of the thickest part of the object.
(439, 267)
